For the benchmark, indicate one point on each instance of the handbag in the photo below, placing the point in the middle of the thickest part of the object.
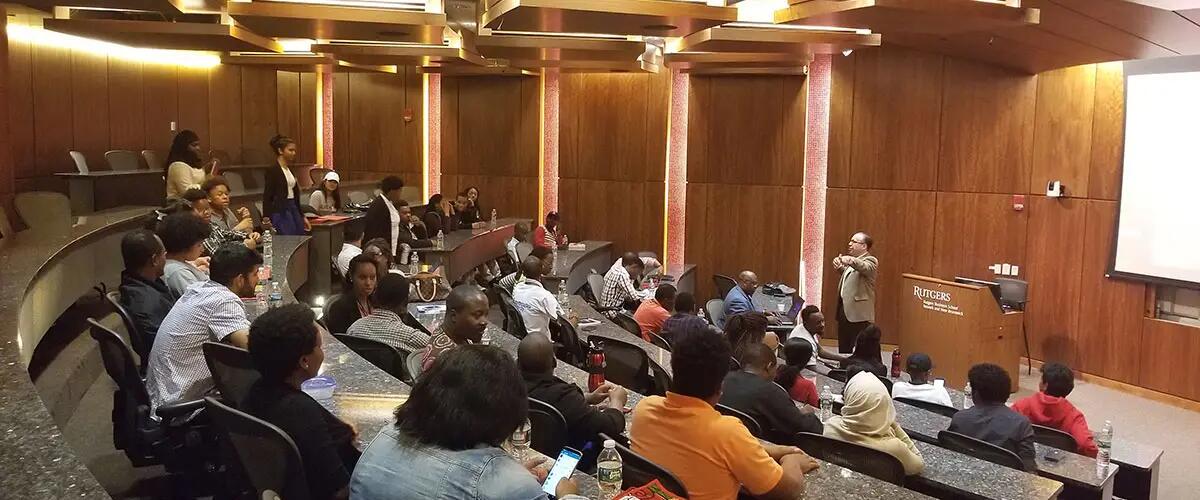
(428, 287)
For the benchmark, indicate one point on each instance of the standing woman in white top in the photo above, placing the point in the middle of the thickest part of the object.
(184, 167)
(327, 199)
(281, 192)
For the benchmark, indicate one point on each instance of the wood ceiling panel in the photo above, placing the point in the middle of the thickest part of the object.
(774, 40)
(622, 17)
(331, 22)
(1074, 25)
(402, 55)
(166, 7)
(1162, 27)
(1024, 49)
(556, 48)
(301, 63)
(907, 16)
(164, 35)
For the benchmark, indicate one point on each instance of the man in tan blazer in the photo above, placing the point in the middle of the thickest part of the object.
(856, 291)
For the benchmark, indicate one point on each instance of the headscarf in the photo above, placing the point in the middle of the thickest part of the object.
(868, 409)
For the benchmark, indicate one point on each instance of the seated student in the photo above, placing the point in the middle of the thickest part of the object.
(619, 291)
(868, 351)
(520, 235)
(201, 206)
(990, 420)
(543, 254)
(438, 216)
(384, 323)
(1049, 407)
(327, 198)
(919, 366)
(652, 313)
(685, 314)
(587, 415)
(712, 454)
(753, 390)
(547, 235)
(446, 440)
(183, 235)
(465, 321)
(412, 230)
(208, 310)
(739, 299)
(868, 418)
(811, 328)
(143, 293)
(797, 352)
(537, 306)
(217, 189)
(351, 248)
(285, 345)
(380, 253)
(746, 329)
(355, 300)
(466, 217)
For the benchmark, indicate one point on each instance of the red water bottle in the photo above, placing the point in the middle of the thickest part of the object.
(896, 363)
(595, 366)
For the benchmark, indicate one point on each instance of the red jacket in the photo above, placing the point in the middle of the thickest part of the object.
(1050, 411)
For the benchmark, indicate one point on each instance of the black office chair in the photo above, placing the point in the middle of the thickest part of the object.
(715, 310)
(568, 347)
(751, 424)
(946, 411)
(660, 379)
(1055, 438)
(626, 365)
(855, 457)
(547, 427)
(141, 342)
(232, 370)
(514, 324)
(624, 320)
(638, 470)
(724, 284)
(383, 356)
(278, 471)
(838, 374)
(734, 364)
(595, 283)
(413, 362)
(411, 321)
(659, 341)
(175, 441)
(977, 448)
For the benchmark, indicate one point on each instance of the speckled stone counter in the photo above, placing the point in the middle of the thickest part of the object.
(575, 265)
(610, 330)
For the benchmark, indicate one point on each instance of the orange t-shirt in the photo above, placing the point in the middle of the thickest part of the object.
(650, 316)
(712, 454)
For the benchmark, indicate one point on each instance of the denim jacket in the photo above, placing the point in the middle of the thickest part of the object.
(392, 468)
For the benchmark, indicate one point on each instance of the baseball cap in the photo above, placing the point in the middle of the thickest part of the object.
(919, 362)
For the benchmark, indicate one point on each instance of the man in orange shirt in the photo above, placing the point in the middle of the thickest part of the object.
(713, 455)
(651, 313)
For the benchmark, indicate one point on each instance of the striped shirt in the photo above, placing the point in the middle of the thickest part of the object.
(510, 282)
(618, 288)
(177, 372)
(387, 327)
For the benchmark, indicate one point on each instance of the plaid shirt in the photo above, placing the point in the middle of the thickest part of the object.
(618, 288)
(387, 327)
(220, 236)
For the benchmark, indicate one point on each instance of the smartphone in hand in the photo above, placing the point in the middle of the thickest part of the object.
(568, 459)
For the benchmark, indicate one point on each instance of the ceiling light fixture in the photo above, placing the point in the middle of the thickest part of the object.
(798, 27)
(36, 35)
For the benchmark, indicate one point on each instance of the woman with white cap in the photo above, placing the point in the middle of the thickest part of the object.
(868, 418)
(327, 199)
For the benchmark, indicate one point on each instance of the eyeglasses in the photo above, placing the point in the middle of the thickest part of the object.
(858, 242)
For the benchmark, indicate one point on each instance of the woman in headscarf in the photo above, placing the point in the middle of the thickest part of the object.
(868, 418)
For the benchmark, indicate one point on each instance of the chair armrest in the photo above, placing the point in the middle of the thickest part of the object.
(173, 410)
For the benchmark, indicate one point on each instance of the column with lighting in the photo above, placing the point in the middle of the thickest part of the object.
(675, 213)
(431, 106)
(548, 168)
(816, 163)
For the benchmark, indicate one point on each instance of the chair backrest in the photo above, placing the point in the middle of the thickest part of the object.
(80, 162)
(232, 370)
(141, 344)
(637, 470)
(1052, 437)
(6, 227)
(595, 281)
(358, 197)
(568, 347)
(524, 248)
(977, 448)
(237, 185)
(152, 159)
(122, 159)
(383, 356)
(751, 423)
(413, 362)
(133, 430)
(624, 320)
(627, 365)
(660, 380)
(659, 341)
(734, 364)
(513, 323)
(548, 428)
(317, 175)
(277, 470)
(943, 410)
(724, 284)
(853, 456)
(411, 321)
(119, 362)
(716, 312)
(838, 374)
(44, 211)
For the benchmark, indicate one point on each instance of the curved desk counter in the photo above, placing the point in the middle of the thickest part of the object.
(467, 249)
(574, 265)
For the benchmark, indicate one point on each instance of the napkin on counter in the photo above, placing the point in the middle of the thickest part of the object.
(576, 246)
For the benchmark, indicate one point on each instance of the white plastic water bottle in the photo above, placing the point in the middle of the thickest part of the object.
(260, 296)
(520, 441)
(967, 401)
(608, 470)
(493, 220)
(268, 254)
(563, 299)
(276, 294)
(441, 240)
(826, 402)
(485, 338)
(1104, 445)
(414, 263)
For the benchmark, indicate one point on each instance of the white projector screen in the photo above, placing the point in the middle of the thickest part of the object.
(1158, 227)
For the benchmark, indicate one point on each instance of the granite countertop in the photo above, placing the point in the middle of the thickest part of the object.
(608, 329)
(111, 173)
(833, 482)
(454, 239)
(567, 258)
(967, 475)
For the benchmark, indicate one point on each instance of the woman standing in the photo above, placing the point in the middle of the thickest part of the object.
(327, 198)
(185, 168)
(281, 194)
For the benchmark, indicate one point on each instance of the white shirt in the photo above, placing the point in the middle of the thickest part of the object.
(800, 332)
(394, 218)
(511, 247)
(342, 261)
(291, 182)
(320, 202)
(536, 305)
(924, 392)
(178, 275)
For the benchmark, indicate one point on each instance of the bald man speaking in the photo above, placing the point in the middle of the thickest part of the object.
(856, 291)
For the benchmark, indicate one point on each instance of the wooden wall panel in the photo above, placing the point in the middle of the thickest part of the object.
(1063, 129)
(1054, 271)
(260, 120)
(975, 230)
(20, 109)
(287, 95)
(371, 139)
(7, 184)
(1108, 132)
(193, 109)
(90, 108)
(341, 122)
(987, 129)
(841, 122)
(225, 110)
(412, 139)
(899, 222)
(53, 113)
(1110, 311)
(307, 133)
(126, 102)
(758, 137)
(1169, 351)
(160, 85)
(897, 116)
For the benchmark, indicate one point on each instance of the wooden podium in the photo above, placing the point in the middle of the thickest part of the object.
(958, 326)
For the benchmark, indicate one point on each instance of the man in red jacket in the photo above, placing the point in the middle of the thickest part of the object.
(1051, 408)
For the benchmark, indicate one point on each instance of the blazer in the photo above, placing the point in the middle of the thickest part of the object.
(857, 288)
(275, 197)
(377, 223)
